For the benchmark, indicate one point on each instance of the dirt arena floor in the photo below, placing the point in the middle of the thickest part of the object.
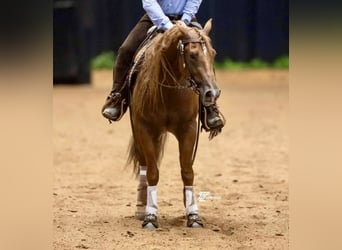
(245, 169)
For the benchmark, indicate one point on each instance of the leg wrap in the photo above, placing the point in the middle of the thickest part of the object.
(142, 194)
(151, 206)
(190, 200)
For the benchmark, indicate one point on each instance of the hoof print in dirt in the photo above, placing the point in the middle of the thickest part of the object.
(194, 221)
(150, 221)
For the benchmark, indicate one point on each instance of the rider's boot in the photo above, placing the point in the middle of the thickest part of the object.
(116, 103)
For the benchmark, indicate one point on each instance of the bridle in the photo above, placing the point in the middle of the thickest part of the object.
(182, 43)
(190, 80)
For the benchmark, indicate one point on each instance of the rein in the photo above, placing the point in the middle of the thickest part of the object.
(191, 85)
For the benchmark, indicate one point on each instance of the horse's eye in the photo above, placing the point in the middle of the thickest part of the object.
(193, 55)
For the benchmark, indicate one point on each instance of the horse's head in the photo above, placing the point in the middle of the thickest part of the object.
(176, 57)
(198, 59)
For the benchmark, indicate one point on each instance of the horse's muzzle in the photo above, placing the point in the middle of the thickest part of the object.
(210, 96)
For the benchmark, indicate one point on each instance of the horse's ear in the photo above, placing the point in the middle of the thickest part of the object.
(207, 26)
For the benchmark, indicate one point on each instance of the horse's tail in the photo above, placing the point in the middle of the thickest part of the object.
(135, 155)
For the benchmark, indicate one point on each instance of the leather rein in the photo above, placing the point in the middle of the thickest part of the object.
(191, 85)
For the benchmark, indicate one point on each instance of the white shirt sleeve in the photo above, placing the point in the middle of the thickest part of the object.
(190, 10)
(156, 14)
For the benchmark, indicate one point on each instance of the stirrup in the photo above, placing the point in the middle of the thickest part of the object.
(113, 99)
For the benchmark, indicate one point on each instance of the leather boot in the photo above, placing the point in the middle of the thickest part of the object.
(116, 103)
(211, 118)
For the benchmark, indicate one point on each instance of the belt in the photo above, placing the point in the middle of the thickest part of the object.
(174, 17)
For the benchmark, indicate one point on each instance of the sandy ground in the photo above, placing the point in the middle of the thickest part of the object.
(245, 169)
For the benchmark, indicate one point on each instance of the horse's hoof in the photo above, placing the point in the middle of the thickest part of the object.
(149, 226)
(150, 221)
(196, 225)
(194, 221)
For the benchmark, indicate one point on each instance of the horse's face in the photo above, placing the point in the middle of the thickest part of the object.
(200, 66)
(199, 60)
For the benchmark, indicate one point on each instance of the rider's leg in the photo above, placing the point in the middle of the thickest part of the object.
(114, 106)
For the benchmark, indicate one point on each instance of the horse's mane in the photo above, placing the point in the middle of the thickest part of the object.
(156, 67)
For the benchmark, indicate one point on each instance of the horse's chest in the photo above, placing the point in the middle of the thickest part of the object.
(180, 107)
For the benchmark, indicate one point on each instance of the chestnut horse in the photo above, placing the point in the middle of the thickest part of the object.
(175, 75)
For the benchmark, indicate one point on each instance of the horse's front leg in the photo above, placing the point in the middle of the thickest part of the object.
(141, 192)
(148, 143)
(186, 136)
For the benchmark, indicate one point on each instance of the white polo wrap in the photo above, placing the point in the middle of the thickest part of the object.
(151, 206)
(190, 200)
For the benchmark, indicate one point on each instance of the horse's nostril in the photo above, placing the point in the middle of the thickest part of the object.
(209, 94)
(212, 93)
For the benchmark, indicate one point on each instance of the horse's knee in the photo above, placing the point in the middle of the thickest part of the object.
(152, 176)
(187, 176)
